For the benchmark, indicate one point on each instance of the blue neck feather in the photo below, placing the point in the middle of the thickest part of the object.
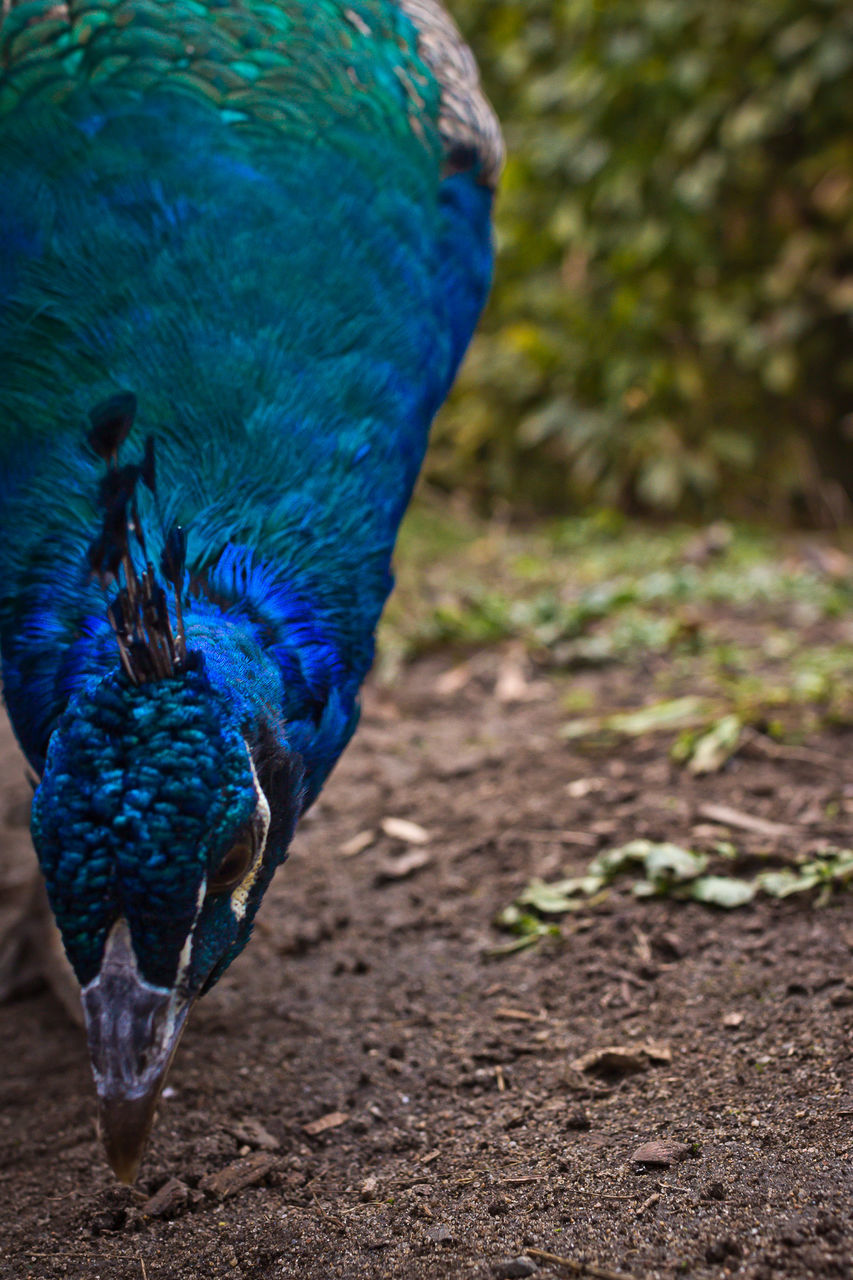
(289, 383)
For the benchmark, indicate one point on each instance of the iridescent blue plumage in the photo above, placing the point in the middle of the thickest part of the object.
(268, 228)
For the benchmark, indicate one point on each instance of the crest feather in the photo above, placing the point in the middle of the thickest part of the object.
(139, 611)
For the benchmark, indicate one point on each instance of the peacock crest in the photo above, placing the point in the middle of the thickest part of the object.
(138, 612)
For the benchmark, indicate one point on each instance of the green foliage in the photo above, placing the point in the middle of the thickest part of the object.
(719, 619)
(670, 328)
(664, 870)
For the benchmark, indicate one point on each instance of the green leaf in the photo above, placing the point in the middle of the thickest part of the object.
(560, 896)
(658, 716)
(631, 724)
(723, 891)
(781, 884)
(667, 864)
(718, 745)
(608, 864)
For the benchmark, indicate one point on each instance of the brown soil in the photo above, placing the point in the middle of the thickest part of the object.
(469, 1138)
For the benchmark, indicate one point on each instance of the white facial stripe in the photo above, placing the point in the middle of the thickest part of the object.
(240, 895)
(176, 1003)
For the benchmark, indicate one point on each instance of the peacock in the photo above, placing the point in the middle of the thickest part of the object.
(243, 248)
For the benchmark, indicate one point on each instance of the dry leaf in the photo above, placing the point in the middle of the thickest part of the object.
(661, 1154)
(452, 681)
(404, 866)
(403, 829)
(581, 787)
(657, 1051)
(352, 848)
(253, 1132)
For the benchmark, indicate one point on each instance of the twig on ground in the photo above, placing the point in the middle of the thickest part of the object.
(729, 817)
(647, 1203)
(579, 1268)
(764, 746)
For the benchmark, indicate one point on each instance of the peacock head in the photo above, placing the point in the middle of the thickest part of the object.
(165, 805)
(157, 841)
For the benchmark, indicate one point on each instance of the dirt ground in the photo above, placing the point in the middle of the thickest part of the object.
(460, 1140)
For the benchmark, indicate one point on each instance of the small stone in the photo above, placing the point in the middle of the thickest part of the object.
(661, 1154)
(441, 1234)
(514, 1268)
(368, 1188)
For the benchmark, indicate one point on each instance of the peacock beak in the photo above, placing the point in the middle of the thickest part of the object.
(133, 1030)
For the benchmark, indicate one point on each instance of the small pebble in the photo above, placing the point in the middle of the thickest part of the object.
(514, 1268)
(441, 1234)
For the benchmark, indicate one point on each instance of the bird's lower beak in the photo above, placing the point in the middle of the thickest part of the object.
(133, 1029)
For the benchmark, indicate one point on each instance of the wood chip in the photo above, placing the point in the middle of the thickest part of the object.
(657, 1050)
(403, 867)
(660, 1154)
(647, 1203)
(235, 1177)
(430, 1156)
(612, 1061)
(729, 817)
(168, 1201)
(330, 1121)
(515, 1015)
(253, 1132)
(403, 829)
(352, 848)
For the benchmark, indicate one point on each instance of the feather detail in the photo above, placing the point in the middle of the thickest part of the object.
(111, 422)
(467, 123)
(139, 612)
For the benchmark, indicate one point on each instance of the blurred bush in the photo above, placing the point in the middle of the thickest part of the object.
(671, 323)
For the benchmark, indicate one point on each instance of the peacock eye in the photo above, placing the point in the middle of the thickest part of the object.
(235, 866)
